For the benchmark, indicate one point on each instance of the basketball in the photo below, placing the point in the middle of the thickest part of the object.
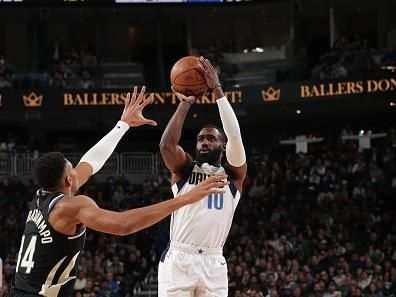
(187, 78)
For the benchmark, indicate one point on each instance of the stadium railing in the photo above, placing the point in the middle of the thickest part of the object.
(21, 164)
(6, 163)
(141, 163)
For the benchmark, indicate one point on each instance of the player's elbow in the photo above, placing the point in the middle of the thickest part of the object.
(125, 227)
(118, 226)
(121, 229)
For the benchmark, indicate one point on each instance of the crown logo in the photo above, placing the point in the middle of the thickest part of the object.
(271, 94)
(32, 100)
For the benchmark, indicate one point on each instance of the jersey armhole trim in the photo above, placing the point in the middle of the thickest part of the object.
(53, 202)
(233, 189)
(78, 234)
(179, 184)
(232, 186)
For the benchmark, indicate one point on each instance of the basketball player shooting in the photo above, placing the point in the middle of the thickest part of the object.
(193, 264)
(56, 224)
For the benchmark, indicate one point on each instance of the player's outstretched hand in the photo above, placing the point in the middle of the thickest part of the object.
(210, 73)
(134, 105)
(181, 97)
(212, 185)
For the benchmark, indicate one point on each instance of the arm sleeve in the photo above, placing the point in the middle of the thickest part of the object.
(235, 152)
(100, 152)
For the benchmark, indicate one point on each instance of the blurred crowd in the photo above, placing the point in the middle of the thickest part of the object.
(73, 68)
(353, 57)
(77, 67)
(315, 224)
(6, 71)
(16, 143)
(64, 68)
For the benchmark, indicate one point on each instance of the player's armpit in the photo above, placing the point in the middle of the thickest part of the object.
(101, 220)
(239, 174)
(175, 158)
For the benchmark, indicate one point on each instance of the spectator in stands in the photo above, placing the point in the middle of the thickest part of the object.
(57, 81)
(5, 73)
(351, 58)
(4, 83)
(86, 75)
(339, 71)
(5, 67)
(76, 69)
(56, 51)
(81, 281)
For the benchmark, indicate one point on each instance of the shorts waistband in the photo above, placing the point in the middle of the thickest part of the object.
(196, 250)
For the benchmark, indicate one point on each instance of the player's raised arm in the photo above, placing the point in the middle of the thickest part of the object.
(132, 116)
(175, 158)
(235, 151)
(83, 210)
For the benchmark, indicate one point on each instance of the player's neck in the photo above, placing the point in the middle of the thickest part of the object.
(65, 191)
(216, 164)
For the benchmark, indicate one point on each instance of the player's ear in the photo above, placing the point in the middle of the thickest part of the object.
(68, 181)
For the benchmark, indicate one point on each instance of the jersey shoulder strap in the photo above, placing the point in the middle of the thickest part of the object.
(230, 174)
(185, 176)
(54, 200)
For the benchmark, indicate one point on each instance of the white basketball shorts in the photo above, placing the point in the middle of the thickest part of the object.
(191, 271)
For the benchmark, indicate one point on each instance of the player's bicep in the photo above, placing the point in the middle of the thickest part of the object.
(176, 159)
(238, 174)
(85, 211)
(101, 220)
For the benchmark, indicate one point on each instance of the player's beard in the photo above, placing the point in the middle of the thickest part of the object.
(212, 157)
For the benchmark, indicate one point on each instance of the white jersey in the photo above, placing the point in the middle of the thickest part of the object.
(207, 222)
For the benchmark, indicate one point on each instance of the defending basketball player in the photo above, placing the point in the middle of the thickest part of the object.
(56, 224)
(193, 264)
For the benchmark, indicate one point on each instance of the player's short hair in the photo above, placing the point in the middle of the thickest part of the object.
(49, 169)
(223, 136)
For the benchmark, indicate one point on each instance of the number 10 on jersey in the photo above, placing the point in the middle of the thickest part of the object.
(215, 201)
